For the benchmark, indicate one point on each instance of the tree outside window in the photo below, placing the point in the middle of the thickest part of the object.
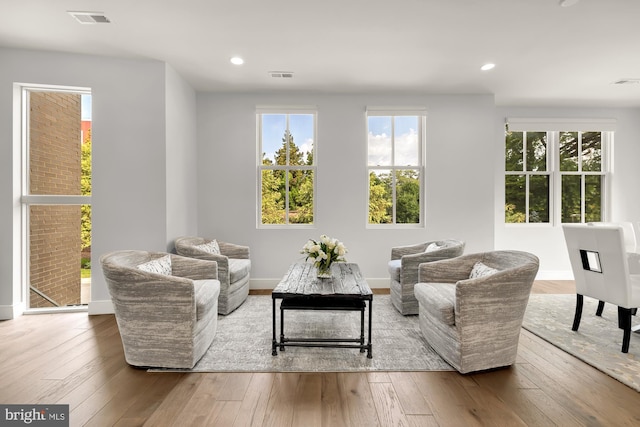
(530, 176)
(527, 178)
(287, 168)
(395, 146)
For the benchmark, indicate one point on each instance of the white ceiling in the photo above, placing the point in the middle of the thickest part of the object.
(545, 54)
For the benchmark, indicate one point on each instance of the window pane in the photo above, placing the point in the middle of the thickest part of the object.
(55, 246)
(593, 198)
(380, 205)
(406, 141)
(379, 141)
(301, 134)
(514, 203)
(568, 151)
(592, 151)
(273, 197)
(274, 127)
(407, 196)
(536, 151)
(54, 143)
(571, 195)
(301, 197)
(539, 198)
(513, 151)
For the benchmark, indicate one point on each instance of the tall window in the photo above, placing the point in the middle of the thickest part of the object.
(556, 174)
(56, 195)
(527, 177)
(287, 168)
(395, 167)
(582, 176)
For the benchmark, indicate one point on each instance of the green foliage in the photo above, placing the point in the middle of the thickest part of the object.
(578, 152)
(300, 189)
(511, 216)
(380, 203)
(85, 188)
(407, 197)
(272, 201)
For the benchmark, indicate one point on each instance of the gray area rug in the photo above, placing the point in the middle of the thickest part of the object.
(598, 340)
(243, 341)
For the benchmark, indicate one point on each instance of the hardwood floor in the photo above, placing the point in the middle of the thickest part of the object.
(77, 359)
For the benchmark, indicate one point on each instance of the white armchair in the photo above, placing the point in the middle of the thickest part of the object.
(600, 264)
(234, 267)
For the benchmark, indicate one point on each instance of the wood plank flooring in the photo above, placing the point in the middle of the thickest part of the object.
(77, 359)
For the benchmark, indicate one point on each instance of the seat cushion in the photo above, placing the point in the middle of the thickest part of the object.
(238, 269)
(438, 299)
(394, 269)
(206, 293)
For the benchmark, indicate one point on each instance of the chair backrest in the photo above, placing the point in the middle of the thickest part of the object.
(628, 230)
(599, 262)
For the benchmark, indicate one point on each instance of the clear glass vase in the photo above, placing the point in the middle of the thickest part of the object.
(324, 271)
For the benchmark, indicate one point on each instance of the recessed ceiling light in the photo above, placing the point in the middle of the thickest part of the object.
(236, 60)
(487, 67)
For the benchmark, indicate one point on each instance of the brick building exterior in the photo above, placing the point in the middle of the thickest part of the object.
(55, 153)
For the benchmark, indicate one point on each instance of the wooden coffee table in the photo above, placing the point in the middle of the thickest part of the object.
(301, 289)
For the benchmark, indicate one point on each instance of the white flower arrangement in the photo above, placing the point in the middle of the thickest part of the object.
(324, 252)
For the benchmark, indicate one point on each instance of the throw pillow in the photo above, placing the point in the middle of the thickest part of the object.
(481, 270)
(212, 247)
(433, 247)
(159, 265)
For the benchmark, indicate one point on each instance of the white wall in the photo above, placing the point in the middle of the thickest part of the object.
(459, 190)
(181, 176)
(132, 138)
(547, 241)
(159, 173)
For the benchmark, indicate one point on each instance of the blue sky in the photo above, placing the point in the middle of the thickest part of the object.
(274, 126)
(405, 140)
(85, 107)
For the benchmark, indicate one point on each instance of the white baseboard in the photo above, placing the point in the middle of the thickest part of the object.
(100, 307)
(554, 275)
(8, 312)
(263, 283)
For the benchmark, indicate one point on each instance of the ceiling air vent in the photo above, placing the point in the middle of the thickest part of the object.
(90, 17)
(281, 74)
(627, 82)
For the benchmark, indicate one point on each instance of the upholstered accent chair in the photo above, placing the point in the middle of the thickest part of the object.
(403, 269)
(604, 269)
(472, 307)
(166, 306)
(234, 267)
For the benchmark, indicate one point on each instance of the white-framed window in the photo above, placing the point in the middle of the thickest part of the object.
(395, 166)
(55, 139)
(286, 166)
(557, 171)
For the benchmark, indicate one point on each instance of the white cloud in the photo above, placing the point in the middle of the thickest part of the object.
(406, 149)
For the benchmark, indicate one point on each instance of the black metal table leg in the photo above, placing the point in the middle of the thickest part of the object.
(281, 326)
(274, 352)
(369, 347)
(362, 330)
